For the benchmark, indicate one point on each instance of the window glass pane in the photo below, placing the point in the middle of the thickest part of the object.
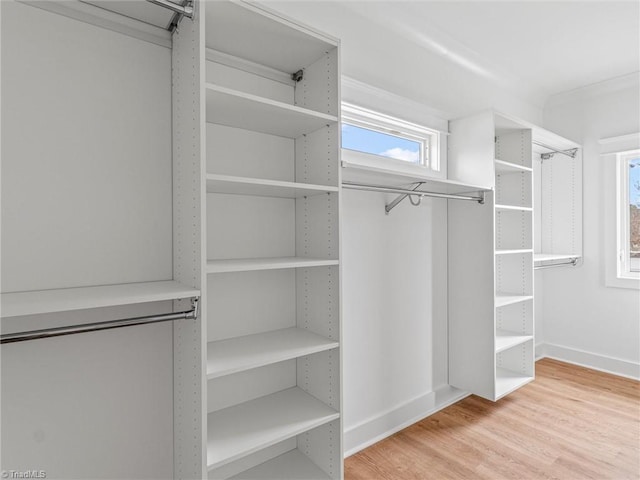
(634, 213)
(378, 143)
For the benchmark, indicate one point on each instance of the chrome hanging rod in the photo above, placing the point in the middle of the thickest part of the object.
(97, 326)
(407, 192)
(183, 10)
(571, 152)
(572, 262)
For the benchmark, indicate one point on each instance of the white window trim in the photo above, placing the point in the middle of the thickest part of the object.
(610, 148)
(369, 119)
(622, 215)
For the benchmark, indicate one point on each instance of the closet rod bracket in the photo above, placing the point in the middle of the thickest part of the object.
(400, 198)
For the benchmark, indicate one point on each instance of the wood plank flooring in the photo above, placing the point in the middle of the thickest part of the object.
(571, 423)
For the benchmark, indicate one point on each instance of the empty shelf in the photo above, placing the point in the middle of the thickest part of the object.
(514, 251)
(233, 108)
(249, 264)
(293, 465)
(513, 207)
(262, 187)
(234, 355)
(507, 381)
(506, 340)
(393, 178)
(68, 299)
(508, 167)
(553, 257)
(243, 429)
(505, 299)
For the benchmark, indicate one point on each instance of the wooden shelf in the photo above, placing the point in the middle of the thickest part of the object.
(506, 299)
(262, 187)
(233, 108)
(243, 429)
(394, 178)
(506, 340)
(538, 258)
(514, 251)
(68, 299)
(507, 381)
(293, 465)
(513, 207)
(252, 264)
(507, 167)
(234, 355)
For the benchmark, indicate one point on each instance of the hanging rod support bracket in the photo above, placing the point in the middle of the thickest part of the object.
(185, 10)
(400, 198)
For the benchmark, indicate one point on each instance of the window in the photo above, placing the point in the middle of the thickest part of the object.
(628, 182)
(376, 137)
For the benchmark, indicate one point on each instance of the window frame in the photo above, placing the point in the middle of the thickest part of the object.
(623, 220)
(428, 139)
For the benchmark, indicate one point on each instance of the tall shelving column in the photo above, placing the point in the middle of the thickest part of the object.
(490, 258)
(514, 348)
(273, 268)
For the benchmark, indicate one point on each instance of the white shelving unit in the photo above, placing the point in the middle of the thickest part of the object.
(491, 316)
(272, 232)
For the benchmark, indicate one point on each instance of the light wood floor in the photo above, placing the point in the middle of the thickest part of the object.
(570, 423)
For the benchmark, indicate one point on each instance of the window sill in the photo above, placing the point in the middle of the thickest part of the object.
(623, 282)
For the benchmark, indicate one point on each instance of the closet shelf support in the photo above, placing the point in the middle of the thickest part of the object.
(185, 10)
(413, 192)
(97, 326)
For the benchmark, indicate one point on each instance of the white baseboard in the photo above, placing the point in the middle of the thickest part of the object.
(387, 423)
(382, 425)
(616, 366)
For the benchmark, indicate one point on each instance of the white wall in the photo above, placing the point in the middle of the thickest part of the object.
(584, 320)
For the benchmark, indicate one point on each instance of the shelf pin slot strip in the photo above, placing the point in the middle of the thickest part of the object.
(97, 326)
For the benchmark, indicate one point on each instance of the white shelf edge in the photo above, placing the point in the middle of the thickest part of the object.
(513, 207)
(81, 298)
(510, 167)
(275, 184)
(257, 350)
(513, 251)
(252, 426)
(508, 381)
(551, 257)
(267, 101)
(405, 176)
(506, 340)
(502, 300)
(254, 264)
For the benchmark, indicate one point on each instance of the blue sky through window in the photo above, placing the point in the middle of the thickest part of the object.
(378, 143)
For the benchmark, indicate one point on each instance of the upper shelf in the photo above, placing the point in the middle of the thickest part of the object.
(393, 178)
(233, 108)
(284, 46)
(253, 264)
(68, 299)
(263, 187)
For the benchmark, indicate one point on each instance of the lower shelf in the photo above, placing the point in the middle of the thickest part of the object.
(506, 340)
(241, 430)
(293, 465)
(507, 381)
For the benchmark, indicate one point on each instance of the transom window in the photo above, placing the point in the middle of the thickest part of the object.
(369, 133)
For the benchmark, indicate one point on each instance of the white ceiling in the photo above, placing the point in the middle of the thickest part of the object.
(462, 56)
(552, 46)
